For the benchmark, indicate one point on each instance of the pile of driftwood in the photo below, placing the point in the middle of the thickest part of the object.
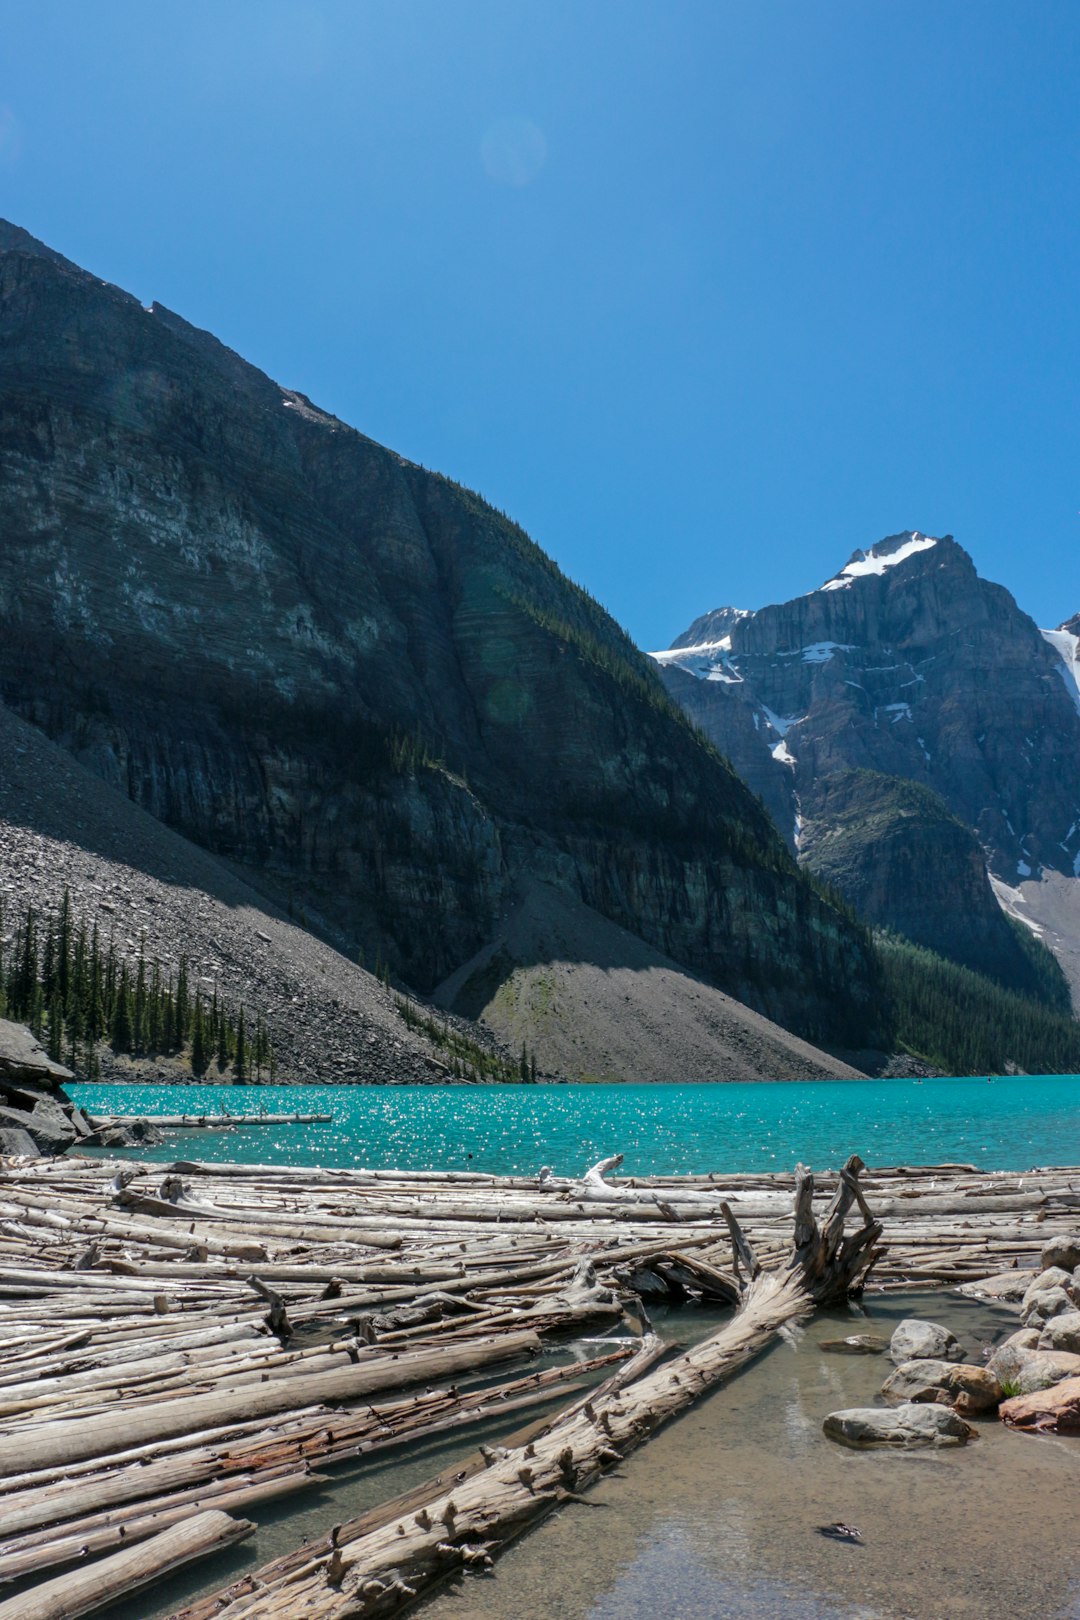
(179, 1345)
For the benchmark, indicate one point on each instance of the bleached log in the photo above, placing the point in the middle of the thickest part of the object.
(80, 1592)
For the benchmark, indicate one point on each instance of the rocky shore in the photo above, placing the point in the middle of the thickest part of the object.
(1031, 1381)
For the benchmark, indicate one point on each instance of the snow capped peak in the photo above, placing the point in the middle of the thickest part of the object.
(886, 554)
(711, 628)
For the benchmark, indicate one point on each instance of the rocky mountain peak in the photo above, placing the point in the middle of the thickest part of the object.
(907, 663)
(894, 550)
(13, 239)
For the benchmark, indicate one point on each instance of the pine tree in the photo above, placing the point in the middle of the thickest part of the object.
(56, 1027)
(240, 1062)
(200, 1053)
(123, 1032)
(183, 1005)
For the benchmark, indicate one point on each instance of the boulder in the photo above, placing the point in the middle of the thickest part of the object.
(967, 1388)
(1021, 1371)
(1055, 1410)
(910, 1424)
(915, 1340)
(1063, 1252)
(1062, 1333)
(1024, 1338)
(24, 1061)
(14, 1140)
(922, 1380)
(856, 1344)
(132, 1133)
(31, 1101)
(1037, 1302)
(1051, 1302)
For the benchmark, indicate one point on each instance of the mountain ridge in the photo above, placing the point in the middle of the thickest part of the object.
(353, 680)
(908, 665)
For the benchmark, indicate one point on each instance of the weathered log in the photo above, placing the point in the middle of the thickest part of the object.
(80, 1592)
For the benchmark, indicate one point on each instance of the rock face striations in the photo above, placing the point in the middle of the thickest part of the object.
(351, 678)
(908, 668)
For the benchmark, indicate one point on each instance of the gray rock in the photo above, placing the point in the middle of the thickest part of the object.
(856, 1344)
(1063, 1252)
(1005, 1287)
(24, 1061)
(915, 1340)
(1051, 1277)
(923, 1380)
(1062, 1333)
(908, 1425)
(15, 1140)
(1050, 1302)
(1042, 1369)
(967, 1388)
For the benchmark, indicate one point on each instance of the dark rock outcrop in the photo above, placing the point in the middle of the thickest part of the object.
(896, 852)
(35, 1116)
(351, 677)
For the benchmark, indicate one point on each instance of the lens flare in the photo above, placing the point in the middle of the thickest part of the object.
(513, 151)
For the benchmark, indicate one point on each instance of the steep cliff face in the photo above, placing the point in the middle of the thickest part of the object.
(350, 676)
(905, 862)
(909, 665)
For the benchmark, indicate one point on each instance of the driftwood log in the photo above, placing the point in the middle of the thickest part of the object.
(150, 1309)
(383, 1570)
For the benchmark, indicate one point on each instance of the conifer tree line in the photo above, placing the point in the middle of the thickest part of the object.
(466, 1059)
(965, 1023)
(79, 993)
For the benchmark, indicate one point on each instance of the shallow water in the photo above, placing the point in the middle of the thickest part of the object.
(1005, 1124)
(714, 1519)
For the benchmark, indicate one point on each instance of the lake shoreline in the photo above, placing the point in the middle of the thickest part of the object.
(283, 1308)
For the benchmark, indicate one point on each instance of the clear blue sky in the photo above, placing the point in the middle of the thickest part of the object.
(705, 294)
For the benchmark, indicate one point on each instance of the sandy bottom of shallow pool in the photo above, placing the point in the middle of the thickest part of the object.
(715, 1519)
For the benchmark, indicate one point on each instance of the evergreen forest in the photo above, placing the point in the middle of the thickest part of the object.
(82, 995)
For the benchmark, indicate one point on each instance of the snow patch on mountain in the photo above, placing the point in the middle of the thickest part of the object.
(1067, 647)
(708, 661)
(886, 554)
(821, 651)
(1014, 902)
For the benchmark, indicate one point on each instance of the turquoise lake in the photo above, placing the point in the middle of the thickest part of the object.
(1003, 1124)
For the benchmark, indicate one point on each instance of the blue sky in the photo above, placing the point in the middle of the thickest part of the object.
(705, 294)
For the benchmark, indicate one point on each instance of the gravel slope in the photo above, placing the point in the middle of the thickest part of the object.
(61, 826)
(595, 1002)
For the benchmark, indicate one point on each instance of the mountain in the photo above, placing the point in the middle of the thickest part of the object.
(357, 684)
(911, 730)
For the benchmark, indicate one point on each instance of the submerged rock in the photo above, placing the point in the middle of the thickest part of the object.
(856, 1344)
(915, 1340)
(905, 1426)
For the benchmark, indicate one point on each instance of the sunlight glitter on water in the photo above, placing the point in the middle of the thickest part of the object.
(1006, 1124)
